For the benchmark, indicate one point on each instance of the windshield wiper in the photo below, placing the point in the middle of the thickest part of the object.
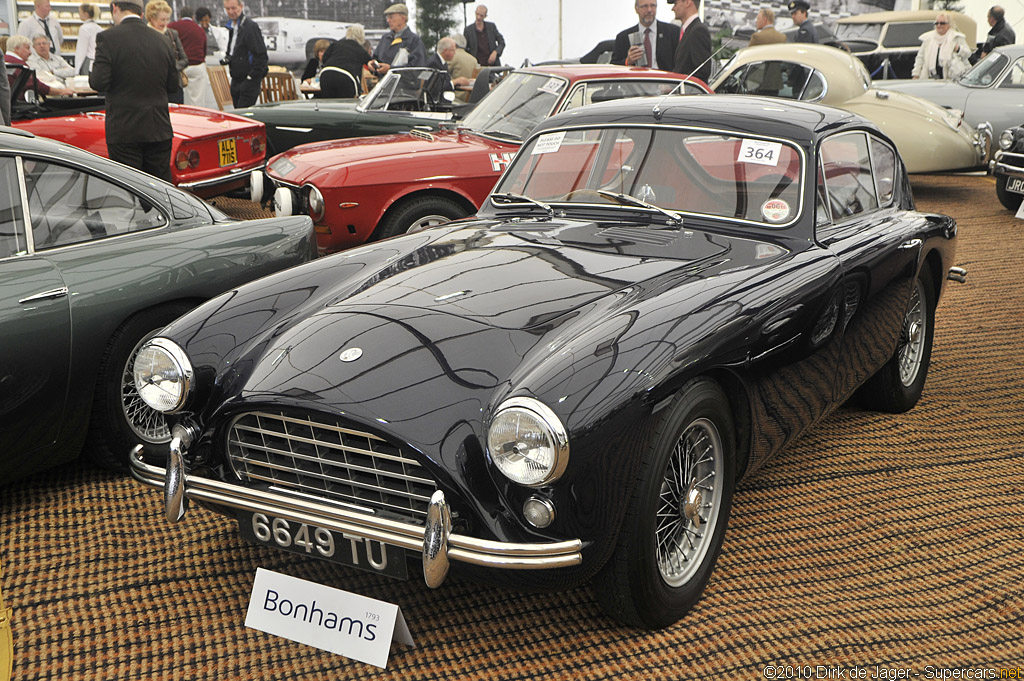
(519, 198)
(501, 134)
(633, 201)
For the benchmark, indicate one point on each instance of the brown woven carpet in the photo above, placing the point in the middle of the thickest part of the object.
(876, 540)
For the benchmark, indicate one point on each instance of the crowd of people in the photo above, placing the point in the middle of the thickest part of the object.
(146, 60)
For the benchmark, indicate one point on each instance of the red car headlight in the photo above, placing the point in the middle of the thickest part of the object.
(316, 204)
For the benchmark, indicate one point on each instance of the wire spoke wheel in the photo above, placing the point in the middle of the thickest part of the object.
(912, 337)
(147, 423)
(690, 502)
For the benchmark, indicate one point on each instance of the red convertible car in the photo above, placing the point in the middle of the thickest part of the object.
(369, 188)
(212, 152)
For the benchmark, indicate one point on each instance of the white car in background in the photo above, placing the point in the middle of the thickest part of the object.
(290, 41)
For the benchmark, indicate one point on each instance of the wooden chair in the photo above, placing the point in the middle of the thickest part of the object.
(277, 87)
(221, 85)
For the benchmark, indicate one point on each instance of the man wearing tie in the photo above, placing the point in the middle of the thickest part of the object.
(43, 23)
(652, 43)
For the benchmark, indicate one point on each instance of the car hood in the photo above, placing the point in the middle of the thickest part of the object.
(943, 92)
(308, 162)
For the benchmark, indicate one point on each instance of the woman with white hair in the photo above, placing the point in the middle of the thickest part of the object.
(944, 53)
(343, 65)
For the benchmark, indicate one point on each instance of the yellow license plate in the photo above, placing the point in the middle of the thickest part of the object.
(228, 153)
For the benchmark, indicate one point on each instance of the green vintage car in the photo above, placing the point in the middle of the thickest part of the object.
(404, 99)
(95, 257)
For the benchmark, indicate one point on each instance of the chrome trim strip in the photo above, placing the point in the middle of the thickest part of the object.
(471, 550)
(26, 216)
(1009, 171)
(232, 175)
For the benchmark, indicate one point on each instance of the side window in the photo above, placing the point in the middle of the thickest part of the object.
(69, 206)
(815, 88)
(905, 34)
(849, 182)
(12, 229)
(822, 216)
(884, 169)
(1015, 77)
(576, 98)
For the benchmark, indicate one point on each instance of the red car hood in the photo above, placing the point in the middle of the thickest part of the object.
(311, 162)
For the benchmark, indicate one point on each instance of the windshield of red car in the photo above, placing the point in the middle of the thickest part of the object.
(686, 171)
(516, 105)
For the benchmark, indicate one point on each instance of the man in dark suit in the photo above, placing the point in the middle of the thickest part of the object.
(136, 70)
(654, 42)
(693, 53)
(246, 55)
(483, 41)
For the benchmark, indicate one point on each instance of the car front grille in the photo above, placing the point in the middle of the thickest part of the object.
(323, 458)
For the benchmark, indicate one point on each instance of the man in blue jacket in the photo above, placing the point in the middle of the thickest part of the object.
(399, 46)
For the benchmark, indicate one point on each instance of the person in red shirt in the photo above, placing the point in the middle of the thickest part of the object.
(193, 38)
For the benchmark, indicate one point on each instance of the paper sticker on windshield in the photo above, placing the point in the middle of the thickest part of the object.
(775, 210)
(548, 143)
(552, 87)
(759, 151)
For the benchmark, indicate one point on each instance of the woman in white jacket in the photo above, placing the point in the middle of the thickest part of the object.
(944, 52)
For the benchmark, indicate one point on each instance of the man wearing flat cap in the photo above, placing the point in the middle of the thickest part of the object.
(136, 71)
(399, 46)
(806, 32)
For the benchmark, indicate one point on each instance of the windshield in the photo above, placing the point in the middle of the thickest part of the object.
(516, 105)
(985, 71)
(679, 170)
(407, 89)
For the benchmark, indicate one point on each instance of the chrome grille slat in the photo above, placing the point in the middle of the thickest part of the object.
(326, 459)
(361, 469)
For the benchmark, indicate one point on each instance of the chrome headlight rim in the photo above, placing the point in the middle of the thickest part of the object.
(316, 203)
(555, 431)
(178, 357)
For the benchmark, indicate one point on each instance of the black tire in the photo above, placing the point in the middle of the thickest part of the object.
(1009, 200)
(111, 434)
(414, 214)
(647, 582)
(898, 385)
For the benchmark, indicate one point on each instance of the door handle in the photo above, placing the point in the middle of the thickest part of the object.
(46, 295)
(913, 243)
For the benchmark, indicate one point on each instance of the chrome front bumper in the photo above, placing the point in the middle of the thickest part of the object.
(435, 541)
(1008, 163)
(233, 176)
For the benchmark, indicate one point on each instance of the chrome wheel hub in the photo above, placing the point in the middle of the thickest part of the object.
(427, 221)
(690, 502)
(912, 338)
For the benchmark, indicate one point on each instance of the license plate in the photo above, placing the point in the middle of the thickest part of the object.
(1015, 185)
(319, 542)
(228, 153)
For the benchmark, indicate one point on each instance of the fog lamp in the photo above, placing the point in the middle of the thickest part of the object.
(539, 512)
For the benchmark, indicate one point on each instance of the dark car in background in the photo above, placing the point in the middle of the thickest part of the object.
(1008, 168)
(95, 257)
(405, 98)
(658, 295)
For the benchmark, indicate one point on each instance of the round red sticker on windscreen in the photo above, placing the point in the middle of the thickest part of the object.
(775, 210)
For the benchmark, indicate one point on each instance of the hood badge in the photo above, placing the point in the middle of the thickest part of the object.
(351, 354)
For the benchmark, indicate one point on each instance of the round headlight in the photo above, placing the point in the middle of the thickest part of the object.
(316, 204)
(1006, 140)
(527, 442)
(163, 375)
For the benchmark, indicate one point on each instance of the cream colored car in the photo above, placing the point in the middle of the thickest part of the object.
(929, 138)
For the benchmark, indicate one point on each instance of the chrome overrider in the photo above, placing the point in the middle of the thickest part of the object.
(435, 541)
(983, 141)
(1007, 163)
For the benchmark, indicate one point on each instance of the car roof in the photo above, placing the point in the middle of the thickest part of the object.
(961, 22)
(742, 114)
(844, 72)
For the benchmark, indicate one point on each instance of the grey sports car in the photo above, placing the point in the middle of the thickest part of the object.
(95, 257)
(992, 91)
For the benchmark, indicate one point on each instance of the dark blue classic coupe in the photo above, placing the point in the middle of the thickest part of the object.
(658, 295)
